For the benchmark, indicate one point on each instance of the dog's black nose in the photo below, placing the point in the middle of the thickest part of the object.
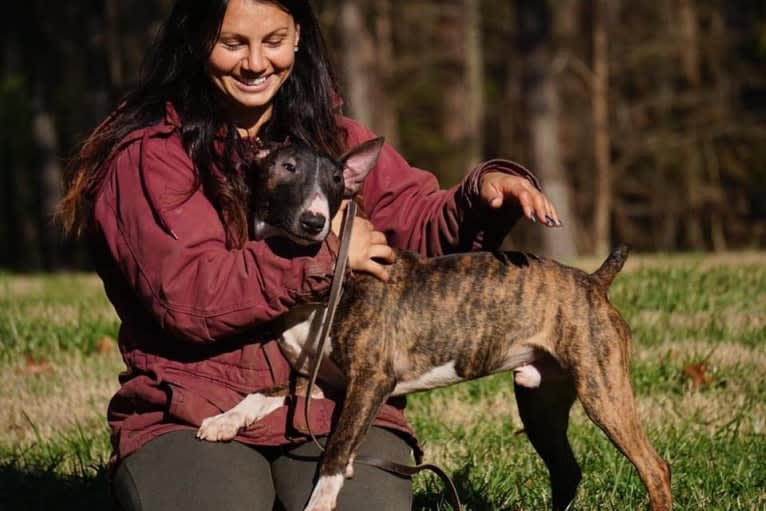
(312, 222)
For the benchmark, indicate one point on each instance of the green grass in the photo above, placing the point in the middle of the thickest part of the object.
(682, 311)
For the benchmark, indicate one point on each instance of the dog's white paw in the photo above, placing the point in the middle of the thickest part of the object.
(222, 427)
(349, 473)
(225, 426)
(325, 494)
(527, 376)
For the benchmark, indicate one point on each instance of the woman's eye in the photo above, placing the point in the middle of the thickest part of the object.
(231, 45)
(274, 43)
(289, 167)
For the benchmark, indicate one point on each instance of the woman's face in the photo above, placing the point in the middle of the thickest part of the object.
(252, 58)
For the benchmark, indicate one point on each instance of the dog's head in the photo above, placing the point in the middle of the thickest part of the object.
(295, 192)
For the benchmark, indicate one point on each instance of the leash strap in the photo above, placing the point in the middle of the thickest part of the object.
(336, 288)
(411, 470)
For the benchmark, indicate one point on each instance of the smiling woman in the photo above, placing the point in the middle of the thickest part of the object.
(254, 55)
(160, 190)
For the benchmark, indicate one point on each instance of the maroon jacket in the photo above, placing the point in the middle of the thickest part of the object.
(195, 315)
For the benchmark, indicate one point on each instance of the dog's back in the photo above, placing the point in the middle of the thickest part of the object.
(477, 313)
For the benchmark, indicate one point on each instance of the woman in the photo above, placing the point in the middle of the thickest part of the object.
(159, 190)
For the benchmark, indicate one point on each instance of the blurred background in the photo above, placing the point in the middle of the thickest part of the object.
(646, 121)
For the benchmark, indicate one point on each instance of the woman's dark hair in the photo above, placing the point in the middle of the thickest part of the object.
(175, 71)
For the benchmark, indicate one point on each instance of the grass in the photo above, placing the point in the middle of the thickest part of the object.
(59, 367)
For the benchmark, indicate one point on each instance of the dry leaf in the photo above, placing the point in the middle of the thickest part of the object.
(34, 365)
(698, 374)
(106, 345)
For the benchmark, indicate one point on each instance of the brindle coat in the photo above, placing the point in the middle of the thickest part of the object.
(486, 313)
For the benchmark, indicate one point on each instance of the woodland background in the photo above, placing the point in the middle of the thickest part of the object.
(645, 120)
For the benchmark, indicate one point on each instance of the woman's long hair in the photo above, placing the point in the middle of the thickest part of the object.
(175, 71)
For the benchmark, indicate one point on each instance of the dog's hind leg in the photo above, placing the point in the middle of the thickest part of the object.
(607, 397)
(544, 411)
(364, 396)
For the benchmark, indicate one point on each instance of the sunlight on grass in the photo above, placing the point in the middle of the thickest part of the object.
(682, 310)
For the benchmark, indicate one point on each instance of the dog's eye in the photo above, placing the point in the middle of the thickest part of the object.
(337, 179)
(289, 167)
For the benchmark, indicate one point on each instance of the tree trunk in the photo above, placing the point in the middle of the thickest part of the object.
(50, 180)
(358, 58)
(692, 162)
(600, 107)
(10, 252)
(450, 44)
(474, 57)
(112, 40)
(542, 107)
(387, 111)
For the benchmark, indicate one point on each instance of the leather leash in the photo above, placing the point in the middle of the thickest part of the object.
(410, 470)
(336, 289)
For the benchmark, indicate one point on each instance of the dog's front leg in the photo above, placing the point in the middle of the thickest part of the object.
(225, 426)
(364, 396)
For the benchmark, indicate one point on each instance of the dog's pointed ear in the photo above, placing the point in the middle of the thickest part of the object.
(261, 154)
(266, 148)
(358, 162)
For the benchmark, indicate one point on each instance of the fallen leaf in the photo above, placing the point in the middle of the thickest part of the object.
(698, 374)
(106, 345)
(34, 365)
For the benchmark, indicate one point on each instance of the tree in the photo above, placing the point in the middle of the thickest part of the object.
(534, 24)
(601, 145)
(385, 97)
(474, 67)
(358, 53)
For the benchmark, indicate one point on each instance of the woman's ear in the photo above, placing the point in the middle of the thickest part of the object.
(297, 36)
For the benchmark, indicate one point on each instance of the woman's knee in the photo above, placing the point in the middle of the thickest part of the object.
(177, 471)
(370, 488)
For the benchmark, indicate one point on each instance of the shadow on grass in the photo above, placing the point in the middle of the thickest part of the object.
(34, 490)
(471, 496)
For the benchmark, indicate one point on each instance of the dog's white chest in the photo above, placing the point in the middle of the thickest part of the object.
(298, 341)
(437, 377)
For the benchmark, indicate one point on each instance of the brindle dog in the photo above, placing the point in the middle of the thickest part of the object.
(449, 319)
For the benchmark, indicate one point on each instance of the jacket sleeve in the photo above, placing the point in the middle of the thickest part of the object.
(407, 204)
(168, 242)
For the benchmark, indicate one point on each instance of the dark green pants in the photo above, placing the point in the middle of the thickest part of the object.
(178, 472)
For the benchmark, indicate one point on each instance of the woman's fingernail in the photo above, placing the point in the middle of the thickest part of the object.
(533, 218)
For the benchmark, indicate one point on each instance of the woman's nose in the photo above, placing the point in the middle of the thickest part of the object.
(255, 60)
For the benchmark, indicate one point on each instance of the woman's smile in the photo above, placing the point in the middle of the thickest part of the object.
(256, 84)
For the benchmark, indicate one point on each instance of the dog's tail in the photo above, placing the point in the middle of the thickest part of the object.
(604, 276)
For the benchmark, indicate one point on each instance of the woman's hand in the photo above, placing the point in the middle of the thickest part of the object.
(498, 189)
(368, 250)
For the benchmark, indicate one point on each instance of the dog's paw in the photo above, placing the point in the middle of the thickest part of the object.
(527, 376)
(325, 495)
(349, 473)
(225, 426)
(222, 427)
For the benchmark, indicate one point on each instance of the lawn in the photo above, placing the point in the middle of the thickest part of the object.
(699, 371)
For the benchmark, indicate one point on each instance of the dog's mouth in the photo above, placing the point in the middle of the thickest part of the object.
(264, 230)
(303, 239)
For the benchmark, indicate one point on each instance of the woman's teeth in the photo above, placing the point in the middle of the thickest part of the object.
(254, 81)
